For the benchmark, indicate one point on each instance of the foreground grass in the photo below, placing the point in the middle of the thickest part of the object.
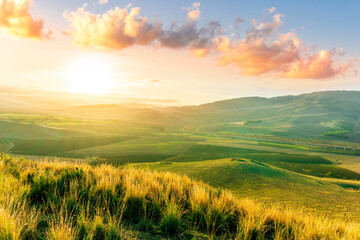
(57, 200)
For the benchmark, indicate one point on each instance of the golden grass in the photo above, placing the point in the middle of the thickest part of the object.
(58, 200)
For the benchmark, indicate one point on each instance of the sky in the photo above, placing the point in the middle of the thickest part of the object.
(179, 52)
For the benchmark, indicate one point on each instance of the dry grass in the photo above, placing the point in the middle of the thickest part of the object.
(58, 200)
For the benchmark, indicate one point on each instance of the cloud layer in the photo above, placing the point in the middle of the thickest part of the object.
(263, 49)
(16, 20)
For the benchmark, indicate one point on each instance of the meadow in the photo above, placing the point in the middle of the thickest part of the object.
(269, 171)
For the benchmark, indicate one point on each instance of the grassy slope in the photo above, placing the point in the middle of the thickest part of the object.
(50, 146)
(314, 165)
(267, 183)
(42, 200)
(30, 135)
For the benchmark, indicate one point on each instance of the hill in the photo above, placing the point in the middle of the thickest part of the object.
(329, 115)
(325, 115)
(57, 200)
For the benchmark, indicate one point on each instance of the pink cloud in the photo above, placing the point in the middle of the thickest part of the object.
(265, 50)
(318, 66)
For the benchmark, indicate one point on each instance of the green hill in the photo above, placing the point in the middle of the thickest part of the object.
(327, 115)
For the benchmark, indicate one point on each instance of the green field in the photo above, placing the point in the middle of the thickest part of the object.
(53, 146)
(306, 147)
(57, 122)
(305, 164)
(138, 158)
(282, 145)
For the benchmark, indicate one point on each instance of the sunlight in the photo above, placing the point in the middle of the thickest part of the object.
(90, 76)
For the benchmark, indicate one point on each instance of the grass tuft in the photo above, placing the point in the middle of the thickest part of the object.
(171, 222)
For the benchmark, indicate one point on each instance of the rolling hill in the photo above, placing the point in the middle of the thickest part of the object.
(330, 115)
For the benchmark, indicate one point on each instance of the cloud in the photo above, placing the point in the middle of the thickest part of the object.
(193, 11)
(189, 35)
(101, 2)
(199, 40)
(184, 35)
(115, 29)
(257, 54)
(15, 19)
(319, 66)
(237, 22)
(123, 28)
(272, 9)
(265, 50)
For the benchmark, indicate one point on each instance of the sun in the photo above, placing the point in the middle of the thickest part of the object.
(90, 76)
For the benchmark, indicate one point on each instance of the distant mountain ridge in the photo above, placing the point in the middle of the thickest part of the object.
(286, 98)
